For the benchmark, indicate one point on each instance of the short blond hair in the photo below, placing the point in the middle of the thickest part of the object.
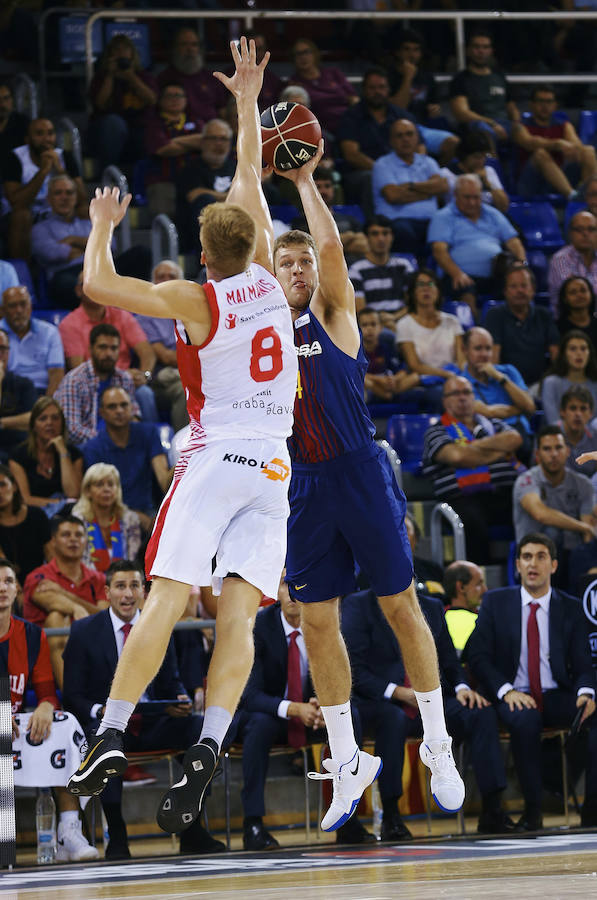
(97, 472)
(228, 237)
(295, 238)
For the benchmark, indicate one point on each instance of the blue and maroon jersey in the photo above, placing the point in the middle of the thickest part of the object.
(330, 415)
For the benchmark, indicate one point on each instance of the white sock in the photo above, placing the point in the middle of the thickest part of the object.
(431, 707)
(338, 720)
(116, 715)
(69, 815)
(216, 723)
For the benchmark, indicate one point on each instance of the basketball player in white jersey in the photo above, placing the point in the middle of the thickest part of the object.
(228, 498)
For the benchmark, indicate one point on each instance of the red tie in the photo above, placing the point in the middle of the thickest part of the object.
(135, 720)
(533, 656)
(296, 730)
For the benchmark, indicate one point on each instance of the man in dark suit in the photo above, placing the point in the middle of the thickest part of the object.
(90, 658)
(276, 709)
(530, 652)
(388, 709)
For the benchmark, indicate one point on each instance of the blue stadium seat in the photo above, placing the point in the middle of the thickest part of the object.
(350, 209)
(406, 433)
(462, 311)
(138, 187)
(283, 211)
(54, 316)
(587, 125)
(24, 276)
(539, 224)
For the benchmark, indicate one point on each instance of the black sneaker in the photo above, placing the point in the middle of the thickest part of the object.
(104, 759)
(181, 804)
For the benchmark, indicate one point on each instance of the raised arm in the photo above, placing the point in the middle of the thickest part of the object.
(171, 300)
(245, 190)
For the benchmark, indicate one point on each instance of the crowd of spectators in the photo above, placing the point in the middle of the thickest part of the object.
(458, 320)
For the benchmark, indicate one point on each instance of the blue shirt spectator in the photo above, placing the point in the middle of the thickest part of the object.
(36, 350)
(133, 447)
(473, 243)
(391, 169)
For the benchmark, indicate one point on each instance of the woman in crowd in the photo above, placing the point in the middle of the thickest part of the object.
(576, 303)
(576, 363)
(113, 530)
(24, 530)
(47, 468)
(429, 339)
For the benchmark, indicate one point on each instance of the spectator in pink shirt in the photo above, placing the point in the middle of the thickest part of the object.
(75, 330)
(330, 91)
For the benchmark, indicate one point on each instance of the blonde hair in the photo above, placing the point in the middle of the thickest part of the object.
(295, 238)
(96, 473)
(228, 237)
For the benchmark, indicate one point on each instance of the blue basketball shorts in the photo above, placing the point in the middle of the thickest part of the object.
(346, 510)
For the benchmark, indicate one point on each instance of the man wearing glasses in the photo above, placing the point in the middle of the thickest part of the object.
(578, 257)
(471, 462)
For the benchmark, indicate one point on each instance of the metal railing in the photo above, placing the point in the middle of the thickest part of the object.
(185, 625)
(394, 460)
(164, 239)
(444, 511)
(112, 176)
(25, 93)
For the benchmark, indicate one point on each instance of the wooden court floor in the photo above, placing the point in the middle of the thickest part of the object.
(558, 865)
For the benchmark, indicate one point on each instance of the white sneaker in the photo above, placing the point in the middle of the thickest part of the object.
(71, 844)
(447, 786)
(349, 782)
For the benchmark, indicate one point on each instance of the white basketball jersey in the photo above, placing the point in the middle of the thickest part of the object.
(241, 381)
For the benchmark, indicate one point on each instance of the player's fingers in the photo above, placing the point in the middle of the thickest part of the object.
(252, 51)
(234, 51)
(265, 60)
(266, 171)
(125, 202)
(221, 77)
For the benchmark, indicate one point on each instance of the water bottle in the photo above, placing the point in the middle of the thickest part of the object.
(377, 810)
(45, 817)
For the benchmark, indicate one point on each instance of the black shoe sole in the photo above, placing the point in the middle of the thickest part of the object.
(93, 780)
(181, 804)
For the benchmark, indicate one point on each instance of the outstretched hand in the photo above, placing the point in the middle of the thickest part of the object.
(304, 172)
(248, 77)
(107, 207)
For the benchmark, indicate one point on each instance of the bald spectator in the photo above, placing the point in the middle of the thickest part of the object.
(58, 244)
(464, 586)
(500, 391)
(35, 347)
(553, 156)
(75, 331)
(578, 257)
(405, 187)
(205, 179)
(26, 173)
(80, 390)
(134, 448)
(467, 236)
(17, 397)
(471, 461)
(166, 384)
(205, 95)
(525, 335)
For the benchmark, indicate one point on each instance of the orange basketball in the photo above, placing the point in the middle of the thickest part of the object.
(290, 134)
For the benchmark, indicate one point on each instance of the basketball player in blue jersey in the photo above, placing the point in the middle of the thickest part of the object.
(345, 506)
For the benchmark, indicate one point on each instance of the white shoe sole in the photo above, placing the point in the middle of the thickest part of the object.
(375, 768)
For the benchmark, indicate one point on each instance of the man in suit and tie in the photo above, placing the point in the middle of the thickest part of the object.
(388, 709)
(278, 707)
(90, 659)
(530, 652)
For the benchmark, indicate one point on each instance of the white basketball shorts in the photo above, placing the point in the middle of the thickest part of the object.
(228, 500)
